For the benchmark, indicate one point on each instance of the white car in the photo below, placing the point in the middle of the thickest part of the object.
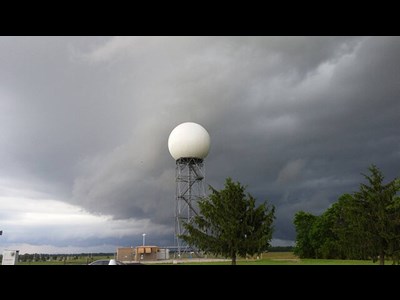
(104, 262)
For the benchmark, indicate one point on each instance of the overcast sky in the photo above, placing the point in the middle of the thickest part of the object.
(84, 161)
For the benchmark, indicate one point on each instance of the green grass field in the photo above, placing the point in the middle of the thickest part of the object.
(271, 258)
(288, 258)
(290, 262)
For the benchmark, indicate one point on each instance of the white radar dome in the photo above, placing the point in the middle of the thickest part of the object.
(189, 140)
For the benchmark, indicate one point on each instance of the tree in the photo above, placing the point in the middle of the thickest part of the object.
(230, 224)
(378, 210)
(322, 237)
(334, 234)
(350, 239)
(303, 223)
(362, 225)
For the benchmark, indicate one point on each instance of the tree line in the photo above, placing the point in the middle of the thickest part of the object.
(361, 225)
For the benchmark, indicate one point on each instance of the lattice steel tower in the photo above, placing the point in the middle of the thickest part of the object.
(189, 144)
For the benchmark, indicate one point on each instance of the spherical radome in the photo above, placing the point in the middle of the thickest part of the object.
(189, 140)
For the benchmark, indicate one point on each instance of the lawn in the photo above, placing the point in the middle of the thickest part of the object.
(270, 258)
(288, 258)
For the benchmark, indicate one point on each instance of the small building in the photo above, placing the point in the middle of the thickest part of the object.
(163, 253)
(146, 253)
(126, 254)
(142, 253)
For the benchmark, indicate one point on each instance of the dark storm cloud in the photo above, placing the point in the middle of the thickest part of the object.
(296, 119)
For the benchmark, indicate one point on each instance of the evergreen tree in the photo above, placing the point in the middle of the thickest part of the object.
(230, 224)
(377, 212)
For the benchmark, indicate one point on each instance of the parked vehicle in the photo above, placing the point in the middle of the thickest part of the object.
(104, 262)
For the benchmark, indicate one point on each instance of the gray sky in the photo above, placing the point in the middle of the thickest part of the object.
(84, 161)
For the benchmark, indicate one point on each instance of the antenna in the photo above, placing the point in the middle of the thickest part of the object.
(189, 144)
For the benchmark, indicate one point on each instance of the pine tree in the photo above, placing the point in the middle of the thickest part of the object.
(380, 213)
(230, 224)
